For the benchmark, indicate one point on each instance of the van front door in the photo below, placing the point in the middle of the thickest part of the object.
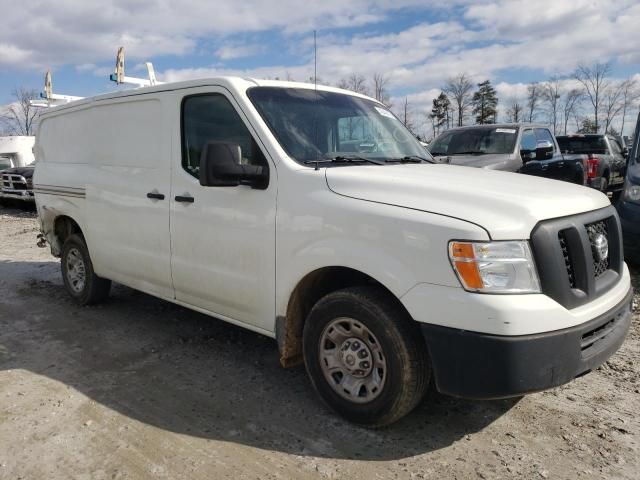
(222, 238)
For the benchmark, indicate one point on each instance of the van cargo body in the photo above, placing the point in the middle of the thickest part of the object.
(311, 215)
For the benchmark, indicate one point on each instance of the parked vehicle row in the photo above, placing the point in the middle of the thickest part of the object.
(525, 148)
(312, 215)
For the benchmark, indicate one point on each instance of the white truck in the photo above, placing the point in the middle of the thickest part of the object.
(16, 167)
(311, 215)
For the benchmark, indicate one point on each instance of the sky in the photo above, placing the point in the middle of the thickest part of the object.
(417, 44)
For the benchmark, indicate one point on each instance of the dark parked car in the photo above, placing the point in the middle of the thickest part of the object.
(628, 204)
(17, 183)
(524, 148)
(607, 162)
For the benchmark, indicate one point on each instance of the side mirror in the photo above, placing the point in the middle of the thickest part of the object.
(544, 150)
(220, 166)
(527, 155)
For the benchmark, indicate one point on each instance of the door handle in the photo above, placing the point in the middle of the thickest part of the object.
(155, 196)
(183, 198)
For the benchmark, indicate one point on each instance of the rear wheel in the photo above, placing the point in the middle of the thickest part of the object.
(81, 282)
(365, 357)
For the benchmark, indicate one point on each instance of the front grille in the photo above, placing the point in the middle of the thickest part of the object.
(567, 260)
(13, 182)
(594, 230)
(571, 257)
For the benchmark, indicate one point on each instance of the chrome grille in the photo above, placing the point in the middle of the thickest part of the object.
(13, 182)
(593, 230)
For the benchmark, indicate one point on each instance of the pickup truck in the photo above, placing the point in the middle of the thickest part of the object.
(16, 168)
(523, 148)
(310, 214)
(606, 163)
(17, 184)
(628, 204)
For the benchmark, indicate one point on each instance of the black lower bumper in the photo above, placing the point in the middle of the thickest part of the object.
(476, 365)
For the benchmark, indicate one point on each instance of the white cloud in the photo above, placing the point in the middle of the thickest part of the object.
(83, 31)
(229, 52)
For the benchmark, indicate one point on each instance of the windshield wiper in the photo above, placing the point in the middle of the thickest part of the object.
(409, 159)
(344, 159)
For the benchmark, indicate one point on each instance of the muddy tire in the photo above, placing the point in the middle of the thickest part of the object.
(81, 282)
(365, 357)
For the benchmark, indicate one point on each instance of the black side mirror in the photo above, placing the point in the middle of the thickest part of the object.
(220, 166)
(527, 155)
(544, 150)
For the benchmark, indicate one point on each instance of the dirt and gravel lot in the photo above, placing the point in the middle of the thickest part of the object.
(140, 388)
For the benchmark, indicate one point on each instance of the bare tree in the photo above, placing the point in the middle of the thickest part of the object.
(21, 117)
(594, 80)
(570, 105)
(459, 88)
(380, 83)
(612, 103)
(514, 112)
(534, 92)
(551, 95)
(355, 83)
(406, 115)
(630, 93)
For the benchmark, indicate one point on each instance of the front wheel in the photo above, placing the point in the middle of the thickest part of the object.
(81, 282)
(366, 358)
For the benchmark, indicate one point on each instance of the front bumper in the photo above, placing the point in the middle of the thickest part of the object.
(24, 195)
(484, 366)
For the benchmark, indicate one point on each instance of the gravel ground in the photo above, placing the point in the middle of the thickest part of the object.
(141, 388)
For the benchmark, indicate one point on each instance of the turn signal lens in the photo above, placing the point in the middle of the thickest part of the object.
(495, 267)
(465, 265)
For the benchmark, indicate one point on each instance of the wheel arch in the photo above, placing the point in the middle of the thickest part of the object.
(62, 226)
(311, 288)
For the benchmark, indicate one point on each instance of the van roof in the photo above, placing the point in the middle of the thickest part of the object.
(232, 83)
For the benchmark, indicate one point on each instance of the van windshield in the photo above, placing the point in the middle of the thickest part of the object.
(315, 125)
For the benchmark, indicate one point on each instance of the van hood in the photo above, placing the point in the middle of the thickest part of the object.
(507, 205)
(495, 161)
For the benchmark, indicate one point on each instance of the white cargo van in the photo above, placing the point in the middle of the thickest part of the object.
(311, 215)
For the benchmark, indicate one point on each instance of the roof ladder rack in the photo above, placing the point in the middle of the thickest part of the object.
(50, 99)
(119, 77)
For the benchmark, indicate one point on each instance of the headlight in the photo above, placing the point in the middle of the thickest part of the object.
(632, 192)
(495, 267)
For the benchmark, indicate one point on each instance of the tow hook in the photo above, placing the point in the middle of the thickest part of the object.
(42, 241)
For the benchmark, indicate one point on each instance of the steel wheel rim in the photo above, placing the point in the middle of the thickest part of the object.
(352, 360)
(76, 271)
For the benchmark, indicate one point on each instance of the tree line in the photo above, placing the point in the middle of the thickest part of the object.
(588, 101)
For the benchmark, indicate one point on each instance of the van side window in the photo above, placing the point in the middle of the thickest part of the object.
(212, 118)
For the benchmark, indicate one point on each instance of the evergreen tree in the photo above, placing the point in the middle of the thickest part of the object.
(441, 112)
(485, 103)
(588, 126)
